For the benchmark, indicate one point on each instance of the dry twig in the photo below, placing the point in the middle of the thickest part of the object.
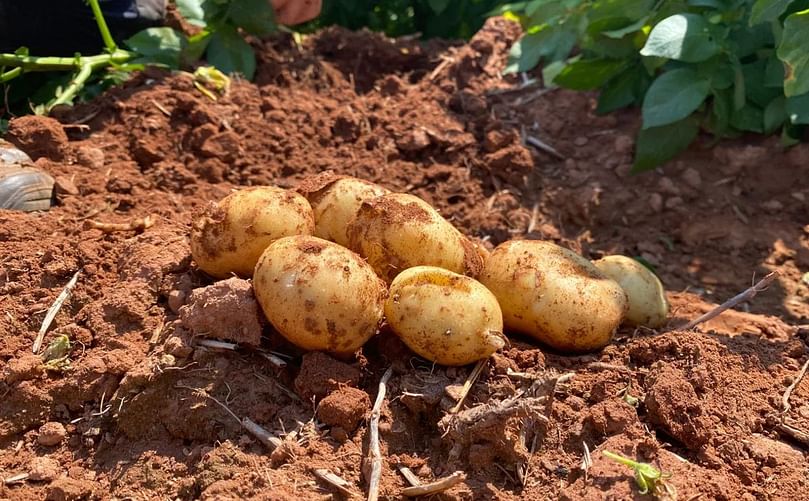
(15, 479)
(747, 295)
(408, 474)
(435, 487)
(796, 434)
(374, 459)
(213, 343)
(467, 385)
(540, 145)
(335, 481)
(788, 393)
(139, 224)
(53, 310)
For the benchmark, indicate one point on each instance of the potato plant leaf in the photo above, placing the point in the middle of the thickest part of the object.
(684, 37)
(256, 17)
(794, 52)
(673, 96)
(588, 74)
(158, 46)
(797, 109)
(230, 53)
(765, 11)
(657, 145)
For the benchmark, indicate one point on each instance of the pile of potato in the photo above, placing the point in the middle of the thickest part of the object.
(337, 257)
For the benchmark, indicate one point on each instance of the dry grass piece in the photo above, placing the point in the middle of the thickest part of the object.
(139, 224)
(467, 385)
(339, 483)
(373, 463)
(53, 310)
(435, 487)
(785, 399)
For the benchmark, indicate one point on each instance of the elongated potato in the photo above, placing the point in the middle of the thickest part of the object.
(335, 201)
(447, 318)
(319, 295)
(229, 236)
(647, 298)
(399, 231)
(554, 295)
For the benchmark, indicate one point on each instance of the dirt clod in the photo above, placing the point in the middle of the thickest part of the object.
(51, 433)
(226, 310)
(344, 408)
(43, 469)
(321, 374)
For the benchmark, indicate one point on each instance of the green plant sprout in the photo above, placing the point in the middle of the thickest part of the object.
(626, 395)
(56, 355)
(650, 480)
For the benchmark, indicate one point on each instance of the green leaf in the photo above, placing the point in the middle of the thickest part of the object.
(588, 74)
(231, 54)
(797, 109)
(794, 52)
(438, 6)
(720, 112)
(684, 37)
(551, 44)
(630, 28)
(549, 72)
(192, 11)
(775, 114)
(774, 73)
(768, 10)
(158, 46)
(750, 118)
(256, 17)
(673, 96)
(622, 90)
(657, 145)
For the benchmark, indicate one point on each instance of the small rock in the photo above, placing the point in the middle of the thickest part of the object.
(64, 186)
(623, 144)
(176, 300)
(43, 469)
(414, 141)
(580, 141)
(178, 347)
(674, 202)
(91, 157)
(666, 186)
(772, 206)
(798, 196)
(656, 202)
(692, 178)
(51, 433)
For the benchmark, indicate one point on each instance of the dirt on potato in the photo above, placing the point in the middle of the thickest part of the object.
(136, 402)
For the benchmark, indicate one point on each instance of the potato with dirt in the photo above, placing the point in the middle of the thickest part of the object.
(445, 317)
(648, 306)
(230, 235)
(554, 295)
(319, 295)
(399, 231)
(335, 201)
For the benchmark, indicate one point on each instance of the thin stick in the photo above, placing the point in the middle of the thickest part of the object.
(439, 485)
(604, 366)
(139, 224)
(747, 295)
(796, 434)
(53, 310)
(536, 143)
(335, 481)
(374, 455)
(788, 393)
(273, 359)
(15, 479)
(411, 477)
(213, 343)
(467, 385)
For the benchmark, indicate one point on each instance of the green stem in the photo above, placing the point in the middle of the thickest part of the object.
(621, 459)
(8, 75)
(109, 43)
(34, 63)
(73, 88)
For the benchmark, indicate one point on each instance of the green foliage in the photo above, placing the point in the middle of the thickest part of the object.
(430, 18)
(724, 66)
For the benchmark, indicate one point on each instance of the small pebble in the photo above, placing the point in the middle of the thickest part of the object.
(43, 469)
(674, 202)
(692, 178)
(656, 202)
(51, 433)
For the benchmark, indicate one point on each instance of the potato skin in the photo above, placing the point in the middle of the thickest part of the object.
(647, 298)
(335, 201)
(319, 295)
(229, 236)
(445, 317)
(554, 295)
(399, 231)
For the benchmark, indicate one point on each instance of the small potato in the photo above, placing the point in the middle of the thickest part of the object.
(446, 318)
(319, 295)
(229, 236)
(554, 295)
(335, 201)
(647, 298)
(399, 231)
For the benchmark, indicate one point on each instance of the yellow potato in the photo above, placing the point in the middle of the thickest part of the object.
(229, 236)
(446, 318)
(399, 231)
(319, 295)
(335, 201)
(647, 298)
(554, 295)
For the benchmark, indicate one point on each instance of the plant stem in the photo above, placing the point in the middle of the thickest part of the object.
(109, 43)
(75, 86)
(34, 63)
(8, 75)
(621, 459)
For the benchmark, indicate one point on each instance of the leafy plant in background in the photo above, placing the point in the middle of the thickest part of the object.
(429, 18)
(725, 66)
(222, 25)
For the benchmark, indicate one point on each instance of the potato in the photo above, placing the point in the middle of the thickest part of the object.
(229, 236)
(647, 298)
(319, 295)
(399, 231)
(554, 295)
(446, 318)
(335, 201)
